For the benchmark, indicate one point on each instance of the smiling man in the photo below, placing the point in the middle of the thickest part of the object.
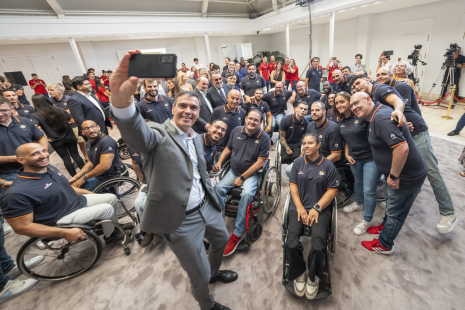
(154, 106)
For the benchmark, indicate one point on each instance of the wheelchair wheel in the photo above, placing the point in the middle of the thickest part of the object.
(256, 232)
(277, 162)
(333, 231)
(126, 190)
(123, 152)
(346, 189)
(64, 261)
(271, 191)
(131, 173)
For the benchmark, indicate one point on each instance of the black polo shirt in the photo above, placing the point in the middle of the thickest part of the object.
(20, 131)
(156, 111)
(330, 115)
(344, 85)
(62, 104)
(231, 119)
(276, 102)
(330, 136)
(104, 145)
(135, 155)
(313, 180)
(25, 110)
(384, 135)
(22, 99)
(354, 131)
(247, 149)
(407, 93)
(261, 106)
(314, 77)
(309, 96)
(249, 85)
(380, 92)
(48, 195)
(209, 150)
(294, 130)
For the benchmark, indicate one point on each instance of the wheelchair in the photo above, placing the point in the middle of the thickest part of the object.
(324, 289)
(266, 198)
(123, 149)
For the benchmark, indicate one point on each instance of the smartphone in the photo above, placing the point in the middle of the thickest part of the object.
(152, 65)
(333, 58)
(388, 53)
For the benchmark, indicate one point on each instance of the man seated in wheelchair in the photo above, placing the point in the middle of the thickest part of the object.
(313, 185)
(103, 161)
(291, 130)
(215, 133)
(249, 147)
(41, 197)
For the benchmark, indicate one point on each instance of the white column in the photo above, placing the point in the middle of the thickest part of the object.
(209, 54)
(288, 46)
(76, 54)
(331, 34)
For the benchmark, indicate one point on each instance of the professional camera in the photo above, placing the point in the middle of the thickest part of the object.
(415, 56)
(450, 55)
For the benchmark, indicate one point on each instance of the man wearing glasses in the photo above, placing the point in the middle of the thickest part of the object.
(217, 94)
(103, 161)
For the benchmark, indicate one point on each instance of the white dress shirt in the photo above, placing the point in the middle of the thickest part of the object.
(204, 95)
(91, 99)
(198, 66)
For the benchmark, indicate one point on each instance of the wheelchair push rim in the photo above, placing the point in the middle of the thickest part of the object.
(63, 260)
(271, 191)
(346, 189)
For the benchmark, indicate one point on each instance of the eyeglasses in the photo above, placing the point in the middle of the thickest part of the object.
(220, 79)
(355, 103)
(89, 128)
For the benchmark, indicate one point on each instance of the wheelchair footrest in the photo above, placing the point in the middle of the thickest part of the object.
(242, 245)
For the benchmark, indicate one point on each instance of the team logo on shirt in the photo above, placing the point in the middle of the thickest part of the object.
(26, 111)
(321, 137)
(166, 105)
(393, 136)
(47, 185)
(321, 173)
(23, 127)
(59, 173)
(135, 154)
(302, 128)
(336, 145)
(225, 118)
(369, 129)
(149, 110)
(258, 82)
(343, 125)
(356, 122)
(110, 149)
(95, 148)
(239, 138)
(239, 118)
(291, 127)
(257, 142)
(300, 172)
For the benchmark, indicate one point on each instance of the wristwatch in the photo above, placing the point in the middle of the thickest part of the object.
(85, 176)
(242, 178)
(393, 176)
(317, 208)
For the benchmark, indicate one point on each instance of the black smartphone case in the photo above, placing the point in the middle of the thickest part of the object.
(152, 66)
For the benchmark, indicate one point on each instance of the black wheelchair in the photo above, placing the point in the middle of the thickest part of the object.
(123, 149)
(266, 198)
(324, 289)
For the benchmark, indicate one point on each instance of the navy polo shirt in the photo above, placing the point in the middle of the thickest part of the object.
(294, 130)
(156, 111)
(330, 136)
(249, 85)
(314, 77)
(25, 110)
(22, 99)
(104, 145)
(276, 102)
(379, 94)
(330, 115)
(20, 131)
(62, 104)
(135, 155)
(407, 93)
(313, 179)
(261, 106)
(354, 131)
(309, 96)
(209, 150)
(247, 149)
(344, 85)
(48, 195)
(384, 135)
(231, 119)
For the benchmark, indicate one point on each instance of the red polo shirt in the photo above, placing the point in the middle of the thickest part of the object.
(295, 75)
(288, 74)
(264, 71)
(40, 89)
(271, 66)
(330, 73)
(105, 79)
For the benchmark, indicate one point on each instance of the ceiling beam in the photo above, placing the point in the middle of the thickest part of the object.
(275, 4)
(57, 8)
(204, 8)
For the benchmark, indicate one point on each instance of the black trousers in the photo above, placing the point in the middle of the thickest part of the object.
(64, 149)
(316, 256)
(446, 79)
(289, 159)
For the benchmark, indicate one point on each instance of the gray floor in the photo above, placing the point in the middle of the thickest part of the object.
(426, 271)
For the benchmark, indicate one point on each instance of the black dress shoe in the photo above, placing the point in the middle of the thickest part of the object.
(217, 306)
(453, 133)
(225, 276)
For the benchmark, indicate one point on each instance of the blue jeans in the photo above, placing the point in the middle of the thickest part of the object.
(9, 177)
(5, 260)
(398, 204)
(90, 184)
(366, 176)
(423, 143)
(287, 84)
(276, 121)
(248, 191)
(267, 85)
(460, 123)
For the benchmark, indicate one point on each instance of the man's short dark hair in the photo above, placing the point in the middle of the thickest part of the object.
(186, 93)
(356, 77)
(90, 69)
(33, 74)
(229, 59)
(316, 57)
(364, 72)
(346, 67)
(304, 103)
(258, 89)
(196, 59)
(255, 111)
(5, 90)
(250, 65)
(242, 64)
(322, 105)
(215, 68)
(230, 75)
(149, 80)
(359, 55)
(3, 100)
(219, 120)
(78, 81)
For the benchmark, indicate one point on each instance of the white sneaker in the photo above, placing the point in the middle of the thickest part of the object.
(41, 245)
(382, 204)
(312, 288)
(446, 223)
(6, 228)
(353, 207)
(30, 263)
(361, 228)
(299, 285)
(15, 288)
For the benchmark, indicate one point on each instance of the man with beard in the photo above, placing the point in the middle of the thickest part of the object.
(258, 104)
(250, 83)
(264, 72)
(231, 69)
(308, 96)
(216, 95)
(23, 110)
(314, 74)
(154, 106)
(277, 101)
(291, 131)
(420, 135)
(327, 89)
(341, 82)
(215, 133)
(103, 161)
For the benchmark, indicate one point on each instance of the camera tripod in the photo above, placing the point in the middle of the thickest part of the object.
(447, 74)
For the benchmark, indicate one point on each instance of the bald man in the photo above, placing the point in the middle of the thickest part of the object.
(103, 161)
(341, 82)
(201, 125)
(308, 96)
(397, 157)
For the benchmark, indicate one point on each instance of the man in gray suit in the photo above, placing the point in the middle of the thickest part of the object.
(201, 125)
(181, 203)
(216, 94)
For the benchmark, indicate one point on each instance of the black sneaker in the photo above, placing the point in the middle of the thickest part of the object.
(116, 236)
(453, 133)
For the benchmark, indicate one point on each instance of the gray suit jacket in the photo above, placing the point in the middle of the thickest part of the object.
(204, 116)
(168, 170)
(214, 97)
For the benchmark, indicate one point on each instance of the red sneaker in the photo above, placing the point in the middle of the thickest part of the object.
(375, 230)
(232, 244)
(376, 247)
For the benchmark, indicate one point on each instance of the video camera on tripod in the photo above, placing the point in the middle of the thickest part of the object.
(415, 56)
(450, 55)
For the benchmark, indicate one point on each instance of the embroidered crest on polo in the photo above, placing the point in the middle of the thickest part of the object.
(23, 127)
(239, 138)
(300, 172)
(166, 104)
(149, 110)
(47, 185)
(336, 145)
(110, 149)
(257, 142)
(321, 173)
(59, 173)
(356, 122)
(321, 136)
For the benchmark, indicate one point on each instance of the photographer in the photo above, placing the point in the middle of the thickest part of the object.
(459, 64)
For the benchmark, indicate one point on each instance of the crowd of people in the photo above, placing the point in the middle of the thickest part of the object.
(200, 119)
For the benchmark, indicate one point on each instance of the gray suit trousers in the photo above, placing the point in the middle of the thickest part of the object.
(187, 244)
